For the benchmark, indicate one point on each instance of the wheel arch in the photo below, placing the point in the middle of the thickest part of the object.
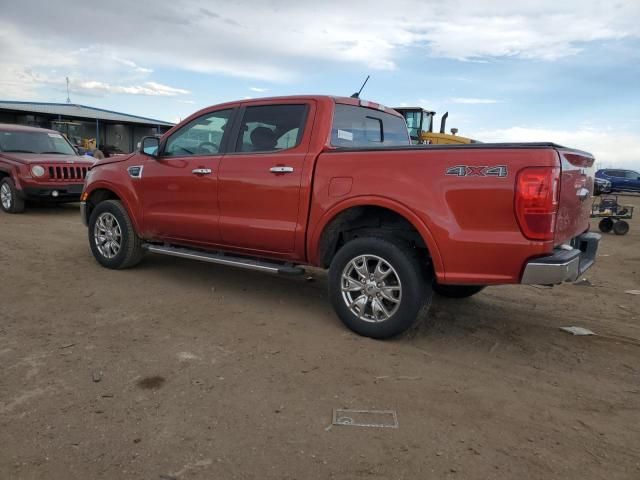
(325, 240)
(9, 171)
(102, 192)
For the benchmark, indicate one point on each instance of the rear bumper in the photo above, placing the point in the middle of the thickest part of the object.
(566, 264)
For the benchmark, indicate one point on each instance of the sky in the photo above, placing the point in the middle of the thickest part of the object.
(565, 71)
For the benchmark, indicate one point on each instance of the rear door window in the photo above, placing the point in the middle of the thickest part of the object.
(269, 128)
(359, 127)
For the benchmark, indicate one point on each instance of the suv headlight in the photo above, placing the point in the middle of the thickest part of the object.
(37, 171)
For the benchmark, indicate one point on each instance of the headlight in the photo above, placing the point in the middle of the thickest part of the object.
(37, 171)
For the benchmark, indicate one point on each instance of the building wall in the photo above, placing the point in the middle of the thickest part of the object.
(124, 137)
(119, 136)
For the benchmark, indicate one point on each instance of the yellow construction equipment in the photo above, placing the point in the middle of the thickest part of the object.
(420, 124)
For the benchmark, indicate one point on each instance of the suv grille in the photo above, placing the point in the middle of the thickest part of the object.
(67, 173)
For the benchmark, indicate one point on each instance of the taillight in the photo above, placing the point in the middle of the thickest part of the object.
(536, 205)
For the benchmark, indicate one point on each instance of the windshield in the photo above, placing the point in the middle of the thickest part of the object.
(35, 142)
(413, 119)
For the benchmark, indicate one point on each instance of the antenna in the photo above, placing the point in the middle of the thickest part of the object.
(357, 94)
(68, 98)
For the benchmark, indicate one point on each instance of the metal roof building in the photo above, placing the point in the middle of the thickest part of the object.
(112, 131)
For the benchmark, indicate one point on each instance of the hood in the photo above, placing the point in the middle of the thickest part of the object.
(34, 158)
(113, 159)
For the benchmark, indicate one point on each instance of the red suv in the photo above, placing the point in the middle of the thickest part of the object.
(38, 165)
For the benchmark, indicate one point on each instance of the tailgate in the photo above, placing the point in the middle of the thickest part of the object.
(576, 190)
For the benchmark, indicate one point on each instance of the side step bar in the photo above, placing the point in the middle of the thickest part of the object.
(224, 259)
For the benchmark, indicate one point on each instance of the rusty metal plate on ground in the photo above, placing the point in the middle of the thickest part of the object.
(365, 418)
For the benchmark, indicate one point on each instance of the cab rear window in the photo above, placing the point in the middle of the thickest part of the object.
(358, 127)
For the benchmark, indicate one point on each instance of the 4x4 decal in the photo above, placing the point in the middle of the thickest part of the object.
(477, 171)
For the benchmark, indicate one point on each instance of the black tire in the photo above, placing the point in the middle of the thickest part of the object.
(620, 227)
(130, 252)
(605, 225)
(457, 291)
(15, 201)
(414, 280)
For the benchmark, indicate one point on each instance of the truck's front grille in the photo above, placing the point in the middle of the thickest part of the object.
(67, 173)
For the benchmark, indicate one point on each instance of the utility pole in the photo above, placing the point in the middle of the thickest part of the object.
(68, 98)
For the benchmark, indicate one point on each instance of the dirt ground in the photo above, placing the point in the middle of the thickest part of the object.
(183, 370)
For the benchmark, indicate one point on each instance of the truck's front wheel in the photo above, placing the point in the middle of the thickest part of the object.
(378, 286)
(114, 243)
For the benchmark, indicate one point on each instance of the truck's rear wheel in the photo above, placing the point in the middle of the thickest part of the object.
(10, 200)
(114, 243)
(457, 291)
(378, 286)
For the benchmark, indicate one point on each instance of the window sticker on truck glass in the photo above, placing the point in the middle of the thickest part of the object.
(477, 171)
(345, 135)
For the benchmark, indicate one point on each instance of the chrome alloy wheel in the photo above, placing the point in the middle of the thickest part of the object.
(371, 288)
(107, 235)
(5, 196)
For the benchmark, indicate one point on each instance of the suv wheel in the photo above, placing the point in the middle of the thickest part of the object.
(10, 201)
(114, 243)
(378, 286)
(457, 291)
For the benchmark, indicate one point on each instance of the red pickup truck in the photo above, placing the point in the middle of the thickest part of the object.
(38, 165)
(276, 183)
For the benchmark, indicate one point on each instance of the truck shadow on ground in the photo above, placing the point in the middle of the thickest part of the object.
(484, 319)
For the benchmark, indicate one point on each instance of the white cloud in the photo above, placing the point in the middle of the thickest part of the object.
(473, 101)
(258, 89)
(611, 148)
(148, 88)
(93, 70)
(279, 40)
(131, 64)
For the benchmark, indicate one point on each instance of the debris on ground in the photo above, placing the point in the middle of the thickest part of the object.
(632, 292)
(96, 376)
(583, 283)
(68, 345)
(151, 383)
(186, 356)
(579, 331)
(365, 418)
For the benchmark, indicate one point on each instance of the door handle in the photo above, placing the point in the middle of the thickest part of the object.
(281, 169)
(201, 171)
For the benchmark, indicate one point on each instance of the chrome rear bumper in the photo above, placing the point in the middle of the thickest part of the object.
(566, 264)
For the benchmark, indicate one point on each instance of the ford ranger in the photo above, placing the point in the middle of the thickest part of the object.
(38, 165)
(278, 183)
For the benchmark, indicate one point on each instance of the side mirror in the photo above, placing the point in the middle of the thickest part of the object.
(150, 146)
